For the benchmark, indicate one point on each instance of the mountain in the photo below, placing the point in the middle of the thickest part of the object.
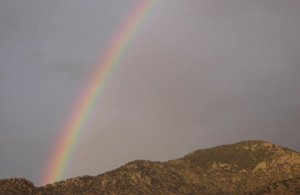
(289, 186)
(249, 167)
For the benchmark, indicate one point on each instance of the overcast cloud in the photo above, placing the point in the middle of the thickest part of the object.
(198, 73)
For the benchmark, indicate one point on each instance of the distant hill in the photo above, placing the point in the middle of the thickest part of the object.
(249, 167)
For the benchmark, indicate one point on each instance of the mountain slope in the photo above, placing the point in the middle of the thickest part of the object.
(253, 167)
(16, 186)
(290, 186)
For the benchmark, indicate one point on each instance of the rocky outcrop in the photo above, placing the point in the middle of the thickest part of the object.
(290, 186)
(16, 186)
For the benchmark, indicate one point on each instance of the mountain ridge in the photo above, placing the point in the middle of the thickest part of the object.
(248, 167)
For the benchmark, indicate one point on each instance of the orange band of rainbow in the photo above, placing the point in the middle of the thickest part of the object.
(75, 125)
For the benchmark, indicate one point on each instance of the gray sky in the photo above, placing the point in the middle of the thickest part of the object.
(199, 73)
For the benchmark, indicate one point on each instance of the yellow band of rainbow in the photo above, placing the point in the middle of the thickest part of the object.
(73, 128)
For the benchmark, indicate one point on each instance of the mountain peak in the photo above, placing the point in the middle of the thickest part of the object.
(241, 155)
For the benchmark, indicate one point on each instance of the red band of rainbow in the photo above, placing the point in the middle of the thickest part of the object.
(70, 133)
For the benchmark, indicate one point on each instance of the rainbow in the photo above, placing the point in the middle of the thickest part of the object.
(74, 127)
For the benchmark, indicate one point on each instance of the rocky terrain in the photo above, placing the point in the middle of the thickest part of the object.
(249, 167)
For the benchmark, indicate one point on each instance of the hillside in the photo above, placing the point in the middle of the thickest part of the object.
(249, 167)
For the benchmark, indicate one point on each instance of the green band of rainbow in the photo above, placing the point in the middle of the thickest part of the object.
(75, 125)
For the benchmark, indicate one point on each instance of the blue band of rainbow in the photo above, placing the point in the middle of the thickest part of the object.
(74, 127)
